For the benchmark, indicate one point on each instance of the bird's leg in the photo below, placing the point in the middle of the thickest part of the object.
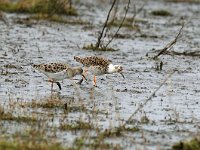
(59, 85)
(84, 75)
(85, 72)
(51, 80)
(122, 75)
(79, 82)
(95, 81)
(51, 86)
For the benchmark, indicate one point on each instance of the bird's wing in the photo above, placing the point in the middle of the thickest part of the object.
(92, 61)
(52, 67)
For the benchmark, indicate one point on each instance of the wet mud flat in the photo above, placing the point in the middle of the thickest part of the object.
(81, 113)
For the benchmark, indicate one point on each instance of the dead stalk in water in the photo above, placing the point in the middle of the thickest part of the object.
(113, 16)
(169, 45)
(99, 40)
(185, 53)
(126, 11)
(150, 97)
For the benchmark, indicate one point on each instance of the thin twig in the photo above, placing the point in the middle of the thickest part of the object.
(114, 13)
(119, 25)
(150, 97)
(105, 25)
(169, 45)
(185, 53)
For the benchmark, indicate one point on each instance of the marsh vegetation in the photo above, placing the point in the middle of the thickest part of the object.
(156, 106)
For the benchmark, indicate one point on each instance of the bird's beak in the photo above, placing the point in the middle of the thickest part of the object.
(84, 77)
(122, 75)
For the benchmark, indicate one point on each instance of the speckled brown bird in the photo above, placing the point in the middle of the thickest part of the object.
(58, 72)
(98, 66)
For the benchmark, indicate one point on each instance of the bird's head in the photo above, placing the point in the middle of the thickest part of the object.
(115, 68)
(78, 71)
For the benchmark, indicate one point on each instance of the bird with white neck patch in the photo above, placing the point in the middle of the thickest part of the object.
(58, 71)
(98, 66)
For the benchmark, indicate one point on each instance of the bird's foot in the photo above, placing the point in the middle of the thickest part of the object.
(95, 86)
(79, 82)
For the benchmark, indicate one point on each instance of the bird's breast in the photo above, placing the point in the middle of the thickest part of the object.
(57, 76)
(97, 70)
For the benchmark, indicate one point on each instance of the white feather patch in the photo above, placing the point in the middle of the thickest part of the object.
(111, 68)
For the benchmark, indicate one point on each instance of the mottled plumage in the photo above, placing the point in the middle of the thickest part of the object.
(52, 67)
(93, 60)
(58, 71)
(98, 66)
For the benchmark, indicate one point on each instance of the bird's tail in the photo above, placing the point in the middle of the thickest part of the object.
(38, 67)
(35, 66)
(78, 59)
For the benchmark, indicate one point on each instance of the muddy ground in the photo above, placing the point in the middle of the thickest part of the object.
(171, 115)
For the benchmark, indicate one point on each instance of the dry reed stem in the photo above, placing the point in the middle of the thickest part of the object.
(169, 45)
(150, 97)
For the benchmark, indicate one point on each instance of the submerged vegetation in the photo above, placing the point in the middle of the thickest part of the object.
(8, 116)
(76, 126)
(85, 143)
(193, 144)
(31, 139)
(59, 19)
(94, 137)
(161, 12)
(25, 145)
(51, 10)
(48, 7)
(95, 48)
(49, 102)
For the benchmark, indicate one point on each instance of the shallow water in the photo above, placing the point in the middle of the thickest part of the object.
(173, 113)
